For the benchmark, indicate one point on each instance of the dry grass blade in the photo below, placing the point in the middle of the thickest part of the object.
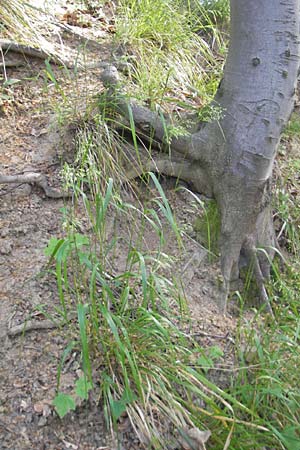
(21, 20)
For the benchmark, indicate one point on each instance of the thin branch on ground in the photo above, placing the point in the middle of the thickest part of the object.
(32, 325)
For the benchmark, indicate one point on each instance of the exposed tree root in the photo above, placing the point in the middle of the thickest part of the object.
(193, 158)
(145, 120)
(32, 52)
(34, 178)
(27, 50)
(175, 166)
(8, 64)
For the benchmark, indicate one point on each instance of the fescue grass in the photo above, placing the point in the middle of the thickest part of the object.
(216, 10)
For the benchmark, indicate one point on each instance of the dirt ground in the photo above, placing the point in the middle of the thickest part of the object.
(28, 219)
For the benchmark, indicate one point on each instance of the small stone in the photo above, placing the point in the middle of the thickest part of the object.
(42, 422)
(5, 247)
(4, 232)
(110, 76)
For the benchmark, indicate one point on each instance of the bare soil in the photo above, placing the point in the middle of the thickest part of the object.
(28, 219)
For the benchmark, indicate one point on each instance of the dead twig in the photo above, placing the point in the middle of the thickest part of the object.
(210, 335)
(31, 325)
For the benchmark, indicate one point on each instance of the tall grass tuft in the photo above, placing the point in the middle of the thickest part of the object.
(170, 60)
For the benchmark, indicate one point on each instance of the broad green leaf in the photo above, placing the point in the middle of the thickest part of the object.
(205, 362)
(215, 352)
(117, 408)
(63, 404)
(82, 387)
(290, 437)
(128, 396)
(81, 239)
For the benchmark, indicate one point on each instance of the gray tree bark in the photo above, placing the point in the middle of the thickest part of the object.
(257, 96)
(232, 158)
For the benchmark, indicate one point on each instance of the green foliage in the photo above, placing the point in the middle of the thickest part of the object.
(82, 387)
(267, 379)
(216, 9)
(209, 357)
(167, 53)
(293, 127)
(134, 355)
(63, 403)
(130, 340)
(158, 21)
(21, 21)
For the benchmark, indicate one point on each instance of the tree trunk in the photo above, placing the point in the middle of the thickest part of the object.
(232, 159)
(257, 97)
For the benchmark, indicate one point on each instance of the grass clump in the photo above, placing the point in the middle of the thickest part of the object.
(208, 226)
(17, 18)
(24, 24)
(170, 63)
(218, 10)
(268, 380)
(126, 315)
(163, 23)
(134, 357)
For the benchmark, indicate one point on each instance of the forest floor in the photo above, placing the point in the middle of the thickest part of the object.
(30, 141)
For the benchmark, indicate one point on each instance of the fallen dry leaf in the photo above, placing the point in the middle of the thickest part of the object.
(42, 408)
(194, 439)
